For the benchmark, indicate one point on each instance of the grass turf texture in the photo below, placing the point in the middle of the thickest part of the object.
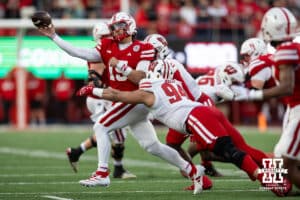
(34, 166)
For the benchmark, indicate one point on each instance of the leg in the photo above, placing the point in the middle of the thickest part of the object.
(288, 146)
(118, 116)
(145, 134)
(238, 140)
(175, 139)
(75, 153)
(118, 138)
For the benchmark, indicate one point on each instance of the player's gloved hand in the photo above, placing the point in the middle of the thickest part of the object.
(85, 90)
(224, 92)
(121, 66)
(244, 94)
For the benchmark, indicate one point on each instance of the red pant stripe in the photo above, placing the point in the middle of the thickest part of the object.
(294, 140)
(118, 116)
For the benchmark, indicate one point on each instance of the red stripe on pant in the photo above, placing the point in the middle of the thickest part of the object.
(294, 140)
(117, 117)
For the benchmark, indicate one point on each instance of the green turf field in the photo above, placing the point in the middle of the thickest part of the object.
(33, 165)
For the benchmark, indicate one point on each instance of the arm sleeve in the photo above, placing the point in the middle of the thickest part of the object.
(88, 54)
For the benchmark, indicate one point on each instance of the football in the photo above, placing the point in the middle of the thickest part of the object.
(41, 19)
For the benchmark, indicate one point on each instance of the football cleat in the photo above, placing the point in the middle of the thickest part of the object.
(207, 184)
(120, 172)
(97, 179)
(198, 179)
(73, 156)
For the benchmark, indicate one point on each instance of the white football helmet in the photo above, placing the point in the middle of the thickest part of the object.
(160, 44)
(124, 21)
(229, 73)
(160, 69)
(278, 24)
(253, 47)
(100, 30)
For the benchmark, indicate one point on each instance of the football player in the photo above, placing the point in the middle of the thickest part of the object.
(121, 55)
(97, 107)
(279, 29)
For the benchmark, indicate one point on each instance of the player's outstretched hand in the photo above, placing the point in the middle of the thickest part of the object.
(43, 21)
(240, 93)
(224, 92)
(85, 90)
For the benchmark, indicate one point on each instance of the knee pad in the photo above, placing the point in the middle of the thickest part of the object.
(117, 151)
(226, 149)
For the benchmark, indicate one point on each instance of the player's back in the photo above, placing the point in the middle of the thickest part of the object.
(172, 105)
(130, 55)
(289, 53)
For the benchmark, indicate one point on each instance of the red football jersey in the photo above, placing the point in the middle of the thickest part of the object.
(132, 55)
(289, 53)
(36, 88)
(8, 89)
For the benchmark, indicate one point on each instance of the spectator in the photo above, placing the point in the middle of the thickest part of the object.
(217, 9)
(184, 30)
(202, 15)
(62, 90)
(36, 89)
(188, 12)
(143, 16)
(8, 95)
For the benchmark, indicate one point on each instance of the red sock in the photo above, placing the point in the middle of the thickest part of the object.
(102, 174)
(249, 166)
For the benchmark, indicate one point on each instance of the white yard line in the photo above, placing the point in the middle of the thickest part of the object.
(127, 192)
(55, 197)
(62, 156)
(120, 182)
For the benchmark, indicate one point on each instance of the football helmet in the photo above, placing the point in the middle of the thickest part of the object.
(278, 24)
(229, 73)
(122, 21)
(100, 30)
(253, 47)
(160, 44)
(160, 69)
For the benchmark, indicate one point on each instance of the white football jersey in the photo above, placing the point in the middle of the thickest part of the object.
(172, 105)
(188, 82)
(181, 74)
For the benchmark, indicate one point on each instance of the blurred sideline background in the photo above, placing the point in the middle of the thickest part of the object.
(38, 80)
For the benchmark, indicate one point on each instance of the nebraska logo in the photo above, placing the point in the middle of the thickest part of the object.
(272, 170)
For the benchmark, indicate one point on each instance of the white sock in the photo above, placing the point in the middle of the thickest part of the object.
(103, 147)
(118, 163)
(82, 146)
